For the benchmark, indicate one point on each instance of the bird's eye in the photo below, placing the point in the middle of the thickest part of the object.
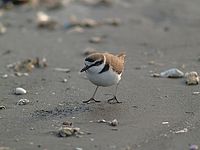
(89, 59)
(98, 63)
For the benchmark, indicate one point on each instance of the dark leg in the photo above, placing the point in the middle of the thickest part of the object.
(92, 98)
(114, 99)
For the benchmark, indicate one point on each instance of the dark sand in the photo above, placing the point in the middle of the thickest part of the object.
(164, 31)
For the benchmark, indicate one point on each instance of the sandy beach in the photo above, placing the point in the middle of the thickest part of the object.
(155, 113)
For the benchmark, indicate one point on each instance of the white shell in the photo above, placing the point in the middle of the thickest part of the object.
(23, 102)
(192, 78)
(20, 91)
(172, 73)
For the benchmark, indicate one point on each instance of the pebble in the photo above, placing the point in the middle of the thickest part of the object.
(5, 76)
(2, 107)
(23, 102)
(68, 131)
(20, 91)
(181, 131)
(196, 93)
(78, 148)
(62, 69)
(114, 122)
(193, 147)
(3, 29)
(65, 80)
(96, 40)
(192, 78)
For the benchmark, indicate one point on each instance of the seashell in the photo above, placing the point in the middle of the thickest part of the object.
(172, 73)
(2, 107)
(192, 78)
(20, 91)
(23, 102)
(114, 122)
(67, 131)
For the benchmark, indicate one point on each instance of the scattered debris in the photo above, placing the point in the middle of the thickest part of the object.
(172, 73)
(78, 148)
(102, 121)
(90, 23)
(5, 148)
(76, 29)
(20, 91)
(66, 70)
(64, 80)
(89, 51)
(23, 102)
(5, 76)
(192, 78)
(67, 123)
(113, 122)
(195, 93)
(2, 107)
(165, 122)
(45, 21)
(68, 131)
(3, 29)
(96, 39)
(156, 75)
(181, 131)
(193, 147)
(23, 67)
(113, 21)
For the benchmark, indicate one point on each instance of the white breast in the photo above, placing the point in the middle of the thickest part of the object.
(107, 78)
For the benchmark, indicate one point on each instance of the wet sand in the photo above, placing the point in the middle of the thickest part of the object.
(156, 35)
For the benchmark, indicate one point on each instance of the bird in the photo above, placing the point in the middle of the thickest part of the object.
(104, 69)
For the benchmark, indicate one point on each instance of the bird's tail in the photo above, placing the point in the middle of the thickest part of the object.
(121, 55)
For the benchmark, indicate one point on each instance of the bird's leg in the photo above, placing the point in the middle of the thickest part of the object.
(92, 98)
(114, 99)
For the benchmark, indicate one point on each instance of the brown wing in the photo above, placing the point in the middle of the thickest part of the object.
(116, 61)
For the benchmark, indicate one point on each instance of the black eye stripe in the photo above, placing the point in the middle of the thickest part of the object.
(98, 63)
(89, 59)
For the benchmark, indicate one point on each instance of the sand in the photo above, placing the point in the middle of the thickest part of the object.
(156, 34)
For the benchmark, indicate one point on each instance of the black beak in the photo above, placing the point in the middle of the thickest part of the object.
(85, 68)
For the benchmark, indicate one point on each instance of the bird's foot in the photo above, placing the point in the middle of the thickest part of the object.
(90, 100)
(113, 100)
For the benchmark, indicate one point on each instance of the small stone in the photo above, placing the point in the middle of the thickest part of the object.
(192, 78)
(172, 73)
(2, 107)
(23, 102)
(65, 80)
(165, 122)
(114, 122)
(20, 91)
(101, 121)
(181, 131)
(3, 29)
(5, 76)
(68, 131)
(96, 39)
(193, 147)
(196, 93)
(78, 148)
(62, 69)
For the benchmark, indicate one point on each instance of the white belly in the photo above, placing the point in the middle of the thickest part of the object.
(107, 78)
